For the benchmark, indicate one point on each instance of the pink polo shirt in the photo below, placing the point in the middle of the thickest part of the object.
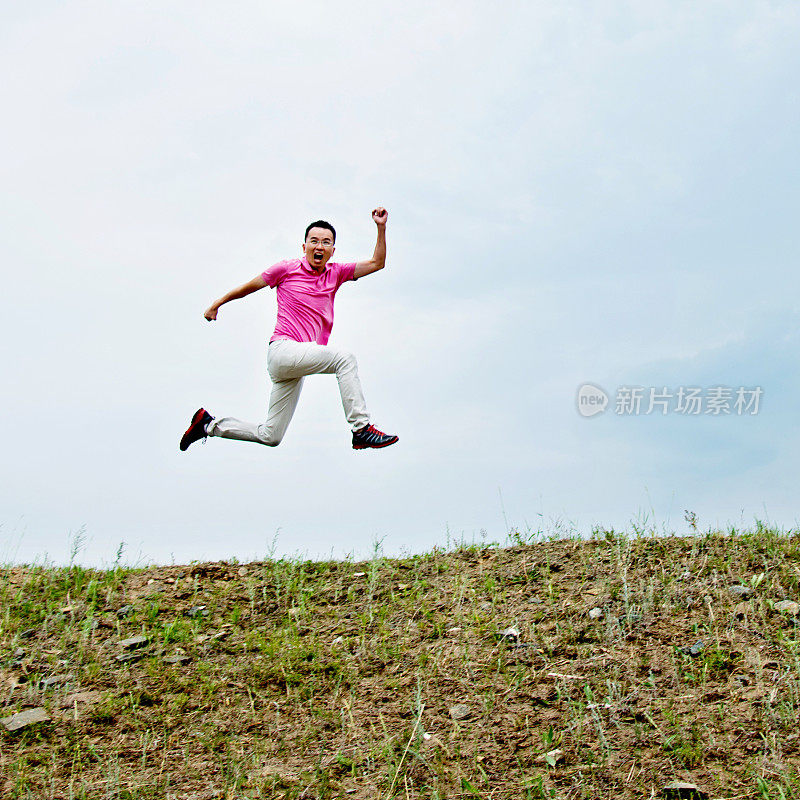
(305, 298)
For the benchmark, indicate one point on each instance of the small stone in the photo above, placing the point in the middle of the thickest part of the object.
(126, 657)
(685, 576)
(337, 641)
(402, 586)
(788, 607)
(197, 611)
(242, 572)
(510, 635)
(81, 698)
(54, 680)
(682, 791)
(708, 599)
(24, 718)
(740, 590)
(151, 581)
(134, 642)
(293, 612)
(177, 659)
(694, 650)
(460, 711)
(18, 654)
(359, 574)
(552, 758)
(125, 611)
(596, 613)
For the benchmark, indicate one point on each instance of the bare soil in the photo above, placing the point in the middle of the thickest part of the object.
(338, 679)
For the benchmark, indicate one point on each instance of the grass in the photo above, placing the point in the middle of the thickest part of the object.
(335, 679)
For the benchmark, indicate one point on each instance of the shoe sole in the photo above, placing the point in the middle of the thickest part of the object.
(375, 446)
(198, 415)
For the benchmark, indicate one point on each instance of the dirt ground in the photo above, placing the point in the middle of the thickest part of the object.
(478, 673)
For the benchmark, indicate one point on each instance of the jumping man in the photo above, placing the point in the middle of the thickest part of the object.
(299, 345)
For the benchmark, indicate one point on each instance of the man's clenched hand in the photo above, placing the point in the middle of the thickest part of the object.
(380, 215)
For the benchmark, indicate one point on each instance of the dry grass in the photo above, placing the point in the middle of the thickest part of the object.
(334, 680)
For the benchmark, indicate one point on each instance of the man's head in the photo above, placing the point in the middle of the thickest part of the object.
(319, 243)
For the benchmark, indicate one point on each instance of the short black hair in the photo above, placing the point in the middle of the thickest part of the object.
(320, 223)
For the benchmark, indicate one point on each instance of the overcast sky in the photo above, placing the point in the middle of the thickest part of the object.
(600, 193)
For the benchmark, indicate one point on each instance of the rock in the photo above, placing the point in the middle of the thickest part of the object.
(81, 698)
(453, 631)
(134, 642)
(685, 576)
(510, 635)
(359, 574)
(197, 611)
(24, 718)
(788, 607)
(54, 680)
(694, 650)
(126, 657)
(177, 659)
(339, 640)
(485, 606)
(740, 590)
(125, 611)
(596, 613)
(19, 653)
(682, 791)
(552, 758)
(293, 612)
(242, 572)
(460, 711)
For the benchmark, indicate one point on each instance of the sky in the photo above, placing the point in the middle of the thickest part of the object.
(578, 193)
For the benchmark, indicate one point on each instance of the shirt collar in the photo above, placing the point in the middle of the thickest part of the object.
(304, 263)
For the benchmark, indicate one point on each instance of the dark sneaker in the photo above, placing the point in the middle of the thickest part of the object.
(197, 430)
(371, 437)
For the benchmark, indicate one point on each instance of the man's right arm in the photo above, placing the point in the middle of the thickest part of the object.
(235, 294)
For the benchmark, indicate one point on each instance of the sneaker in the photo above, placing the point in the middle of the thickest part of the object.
(372, 437)
(197, 430)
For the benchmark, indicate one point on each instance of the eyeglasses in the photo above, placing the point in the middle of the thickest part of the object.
(324, 242)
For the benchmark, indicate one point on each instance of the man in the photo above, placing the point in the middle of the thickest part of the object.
(299, 345)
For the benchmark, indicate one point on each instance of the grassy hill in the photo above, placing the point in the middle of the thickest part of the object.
(400, 678)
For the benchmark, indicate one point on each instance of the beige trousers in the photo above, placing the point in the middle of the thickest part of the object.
(288, 362)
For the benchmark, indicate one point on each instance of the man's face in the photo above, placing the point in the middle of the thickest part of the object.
(318, 248)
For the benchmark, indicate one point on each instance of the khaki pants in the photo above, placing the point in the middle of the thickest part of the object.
(288, 362)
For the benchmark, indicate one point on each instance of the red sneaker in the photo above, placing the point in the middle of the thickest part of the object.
(372, 437)
(197, 428)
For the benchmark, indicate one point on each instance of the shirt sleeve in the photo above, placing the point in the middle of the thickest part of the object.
(346, 272)
(276, 273)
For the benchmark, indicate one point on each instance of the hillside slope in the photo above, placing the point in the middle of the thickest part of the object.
(395, 677)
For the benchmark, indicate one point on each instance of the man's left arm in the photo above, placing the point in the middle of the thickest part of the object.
(378, 260)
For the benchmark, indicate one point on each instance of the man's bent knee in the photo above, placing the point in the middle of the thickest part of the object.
(270, 438)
